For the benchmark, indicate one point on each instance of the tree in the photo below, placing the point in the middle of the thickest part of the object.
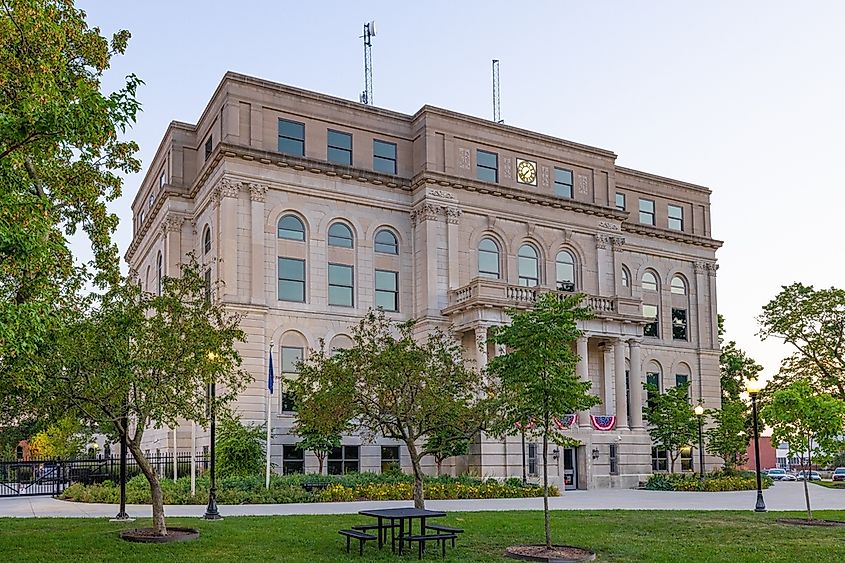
(671, 419)
(66, 438)
(133, 360)
(812, 322)
(728, 438)
(239, 447)
(448, 441)
(61, 160)
(394, 385)
(536, 376)
(805, 419)
(735, 367)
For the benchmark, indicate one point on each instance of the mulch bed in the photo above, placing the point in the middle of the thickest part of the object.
(558, 553)
(147, 535)
(805, 522)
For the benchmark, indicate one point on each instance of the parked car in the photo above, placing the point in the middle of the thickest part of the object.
(839, 474)
(776, 474)
(789, 477)
(813, 476)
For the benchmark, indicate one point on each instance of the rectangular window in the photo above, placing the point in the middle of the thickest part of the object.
(341, 285)
(653, 381)
(208, 147)
(659, 460)
(682, 380)
(647, 212)
(293, 459)
(652, 328)
(207, 278)
(563, 183)
(384, 157)
(679, 324)
(686, 458)
(291, 279)
(162, 180)
(291, 137)
(339, 147)
(620, 201)
(487, 166)
(387, 290)
(614, 459)
(532, 460)
(290, 358)
(676, 217)
(343, 460)
(390, 459)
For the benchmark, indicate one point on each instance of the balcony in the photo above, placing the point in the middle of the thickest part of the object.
(489, 293)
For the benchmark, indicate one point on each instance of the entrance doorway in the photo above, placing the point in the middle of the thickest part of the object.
(570, 469)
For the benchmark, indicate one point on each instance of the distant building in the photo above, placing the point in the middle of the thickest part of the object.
(312, 209)
(769, 456)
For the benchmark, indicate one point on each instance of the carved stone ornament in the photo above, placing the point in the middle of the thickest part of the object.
(453, 215)
(441, 194)
(544, 176)
(602, 241)
(583, 185)
(426, 212)
(257, 192)
(507, 168)
(708, 268)
(171, 224)
(463, 158)
(608, 226)
(228, 188)
(616, 242)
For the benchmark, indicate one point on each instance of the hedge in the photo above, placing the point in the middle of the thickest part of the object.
(712, 482)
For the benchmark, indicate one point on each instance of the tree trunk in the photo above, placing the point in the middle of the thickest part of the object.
(320, 464)
(546, 521)
(439, 467)
(155, 488)
(807, 473)
(419, 497)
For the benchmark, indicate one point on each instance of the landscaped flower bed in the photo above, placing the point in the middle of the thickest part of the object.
(288, 488)
(712, 482)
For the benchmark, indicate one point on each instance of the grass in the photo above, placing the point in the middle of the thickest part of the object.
(654, 536)
(830, 484)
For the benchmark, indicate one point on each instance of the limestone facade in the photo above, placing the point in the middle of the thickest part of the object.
(475, 234)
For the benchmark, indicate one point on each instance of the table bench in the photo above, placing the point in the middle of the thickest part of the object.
(445, 530)
(358, 535)
(422, 540)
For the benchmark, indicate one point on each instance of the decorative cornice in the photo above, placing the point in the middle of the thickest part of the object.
(708, 268)
(441, 194)
(426, 212)
(675, 236)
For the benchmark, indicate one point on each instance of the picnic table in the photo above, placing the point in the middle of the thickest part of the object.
(402, 516)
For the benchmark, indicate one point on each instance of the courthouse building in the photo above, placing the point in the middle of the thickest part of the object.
(312, 209)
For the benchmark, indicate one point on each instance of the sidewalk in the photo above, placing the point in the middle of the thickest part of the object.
(781, 496)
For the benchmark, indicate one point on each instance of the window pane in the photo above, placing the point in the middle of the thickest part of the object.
(292, 147)
(291, 269)
(386, 300)
(340, 235)
(384, 150)
(386, 242)
(339, 156)
(291, 355)
(679, 324)
(340, 275)
(563, 183)
(291, 291)
(565, 267)
(340, 296)
(291, 228)
(384, 165)
(339, 140)
(292, 129)
(678, 286)
(487, 159)
(620, 201)
(649, 281)
(676, 218)
(487, 166)
(386, 280)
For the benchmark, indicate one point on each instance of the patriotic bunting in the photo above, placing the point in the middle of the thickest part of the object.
(603, 422)
(564, 422)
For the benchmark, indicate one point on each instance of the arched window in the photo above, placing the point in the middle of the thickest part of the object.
(206, 240)
(678, 285)
(291, 228)
(386, 242)
(626, 277)
(649, 281)
(528, 266)
(159, 273)
(565, 271)
(340, 235)
(488, 259)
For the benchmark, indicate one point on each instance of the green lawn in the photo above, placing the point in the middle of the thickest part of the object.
(616, 536)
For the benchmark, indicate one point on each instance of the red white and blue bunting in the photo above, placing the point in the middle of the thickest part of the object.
(603, 422)
(564, 422)
(529, 426)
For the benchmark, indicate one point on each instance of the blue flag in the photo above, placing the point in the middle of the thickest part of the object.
(270, 376)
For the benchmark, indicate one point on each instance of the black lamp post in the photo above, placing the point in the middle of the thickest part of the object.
(211, 512)
(122, 515)
(753, 386)
(699, 413)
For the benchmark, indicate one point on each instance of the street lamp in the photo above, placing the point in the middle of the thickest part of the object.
(211, 512)
(753, 386)
(699, 413)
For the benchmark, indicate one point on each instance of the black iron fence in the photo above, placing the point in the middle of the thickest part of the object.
(52, 476)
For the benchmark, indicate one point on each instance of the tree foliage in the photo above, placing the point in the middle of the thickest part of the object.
(394, 385)
(132, 360)
(61, 160)
(671, 420)
(240, 447)
(536, 376)
(449, 441)
(812, 322)
(735, 367)
(65, 438)
(728, 437)
(808, 421)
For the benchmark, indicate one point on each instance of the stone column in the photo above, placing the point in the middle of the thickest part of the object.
(481, 347)
(228, 232)
(604, 263)
(636, 378)
(258, 292)
(607, 378)
(621, 392)
(582, 370)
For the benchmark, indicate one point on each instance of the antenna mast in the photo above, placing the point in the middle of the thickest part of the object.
(369, 33)
(497, 109)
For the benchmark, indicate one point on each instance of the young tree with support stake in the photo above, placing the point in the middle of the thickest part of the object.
(152, 355)
(671, 420)
(536, 378)
(805, 419)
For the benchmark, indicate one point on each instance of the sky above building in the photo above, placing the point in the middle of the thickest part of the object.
(745, 98)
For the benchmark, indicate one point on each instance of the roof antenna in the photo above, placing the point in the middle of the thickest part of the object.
(497, 109)
(369, 33)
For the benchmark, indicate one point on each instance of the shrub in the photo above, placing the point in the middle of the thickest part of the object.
(240, 449)
(716, 481)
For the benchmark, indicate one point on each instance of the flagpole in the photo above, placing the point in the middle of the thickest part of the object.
(193, 458)
(269, 403)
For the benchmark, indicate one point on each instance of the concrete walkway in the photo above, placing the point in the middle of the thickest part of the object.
(781, 496)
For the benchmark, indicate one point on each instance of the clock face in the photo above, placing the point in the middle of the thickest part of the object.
(526, 172)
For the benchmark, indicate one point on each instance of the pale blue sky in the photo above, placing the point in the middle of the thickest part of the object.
(743, 97)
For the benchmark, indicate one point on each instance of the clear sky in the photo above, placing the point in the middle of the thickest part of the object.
(747, 98)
